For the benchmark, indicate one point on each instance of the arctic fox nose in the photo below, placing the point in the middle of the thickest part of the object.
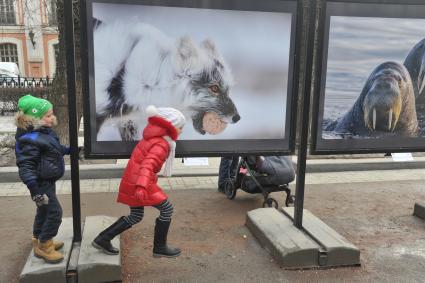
(236, 118)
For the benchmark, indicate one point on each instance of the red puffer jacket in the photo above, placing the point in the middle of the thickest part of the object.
(139, 183)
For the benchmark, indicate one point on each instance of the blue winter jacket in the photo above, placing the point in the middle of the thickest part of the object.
(39, 157)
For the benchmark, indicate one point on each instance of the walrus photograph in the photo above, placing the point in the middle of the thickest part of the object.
(374, 79)
(218, 67)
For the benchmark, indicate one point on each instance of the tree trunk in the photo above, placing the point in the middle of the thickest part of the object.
(58, 94)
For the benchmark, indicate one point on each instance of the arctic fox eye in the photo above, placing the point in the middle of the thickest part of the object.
(214, 88)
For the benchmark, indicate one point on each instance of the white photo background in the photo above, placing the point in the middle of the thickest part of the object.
(255, 46)
(357, 45)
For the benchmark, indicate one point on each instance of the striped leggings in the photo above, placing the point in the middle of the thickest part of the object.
(137, 213)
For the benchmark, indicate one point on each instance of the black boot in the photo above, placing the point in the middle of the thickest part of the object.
(103, 240)
(160, 248)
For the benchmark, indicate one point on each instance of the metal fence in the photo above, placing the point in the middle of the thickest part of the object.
(11, 89)
(24, 82)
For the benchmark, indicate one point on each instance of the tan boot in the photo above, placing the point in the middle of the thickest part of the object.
(47, 252)
(57, 244)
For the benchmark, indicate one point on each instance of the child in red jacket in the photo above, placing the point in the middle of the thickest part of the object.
(139, 186)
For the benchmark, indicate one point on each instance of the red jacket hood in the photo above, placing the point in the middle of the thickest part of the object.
(158, 127)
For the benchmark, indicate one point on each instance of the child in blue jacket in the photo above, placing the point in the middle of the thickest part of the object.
(39, 157)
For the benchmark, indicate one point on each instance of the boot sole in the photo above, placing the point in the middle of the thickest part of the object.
(47, 260)
(102, 249)
(167, 256)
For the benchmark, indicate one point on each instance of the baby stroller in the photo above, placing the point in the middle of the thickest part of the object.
(263, 174)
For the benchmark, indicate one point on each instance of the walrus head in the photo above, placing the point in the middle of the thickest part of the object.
(382, 104)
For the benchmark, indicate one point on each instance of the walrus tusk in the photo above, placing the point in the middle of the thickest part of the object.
(396, 114)
(390, 119)
(374, 118)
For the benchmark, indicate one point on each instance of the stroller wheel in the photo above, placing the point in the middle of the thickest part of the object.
(270, 202)
(230, 189)
(290, 200)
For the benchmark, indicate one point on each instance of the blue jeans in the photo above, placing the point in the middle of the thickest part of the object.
(227, 170)
(48, 217)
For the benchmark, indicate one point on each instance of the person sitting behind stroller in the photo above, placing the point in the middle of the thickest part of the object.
(227, 171)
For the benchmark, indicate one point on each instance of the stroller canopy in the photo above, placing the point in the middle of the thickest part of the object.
(279, 169)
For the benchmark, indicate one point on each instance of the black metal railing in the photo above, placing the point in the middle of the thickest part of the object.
(24, 82)
(11, 89)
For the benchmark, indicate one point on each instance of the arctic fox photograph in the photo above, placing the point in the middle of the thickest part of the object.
(225, 70)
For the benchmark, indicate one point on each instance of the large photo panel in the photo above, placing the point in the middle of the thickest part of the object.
(371, 94)
(226, 65)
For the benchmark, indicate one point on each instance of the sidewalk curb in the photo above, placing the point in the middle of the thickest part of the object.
(108, 171)
(339, 165)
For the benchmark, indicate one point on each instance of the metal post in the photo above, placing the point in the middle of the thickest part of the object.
(305, 114)
(73, 122)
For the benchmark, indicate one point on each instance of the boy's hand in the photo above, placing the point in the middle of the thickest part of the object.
(41, 199)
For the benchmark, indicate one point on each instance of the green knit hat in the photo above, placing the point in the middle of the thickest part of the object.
(33, 106)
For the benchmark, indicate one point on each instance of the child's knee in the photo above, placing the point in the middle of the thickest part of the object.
(57, 217)
(56, 213)
(167, 210)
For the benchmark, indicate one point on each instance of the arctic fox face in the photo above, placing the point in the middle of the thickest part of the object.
(208, 88)
(148, 67)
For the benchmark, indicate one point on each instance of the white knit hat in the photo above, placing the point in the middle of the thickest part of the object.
(172, 115)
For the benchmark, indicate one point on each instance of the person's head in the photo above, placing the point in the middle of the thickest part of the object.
(49, 119)
(171, 115)
(34, 112)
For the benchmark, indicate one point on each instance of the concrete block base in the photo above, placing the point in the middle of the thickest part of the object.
(94, 265)
(419, 210)
(317, 246)
(36, 270)
(289, 246)
(337, 251)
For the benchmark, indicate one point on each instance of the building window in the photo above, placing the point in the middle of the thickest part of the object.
(9, 53)
(51, 11)
(56, 52)
(7, 12)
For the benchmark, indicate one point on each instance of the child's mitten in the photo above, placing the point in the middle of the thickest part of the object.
(41, 199)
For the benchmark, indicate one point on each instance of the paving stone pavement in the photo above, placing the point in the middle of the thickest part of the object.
(210, 182)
